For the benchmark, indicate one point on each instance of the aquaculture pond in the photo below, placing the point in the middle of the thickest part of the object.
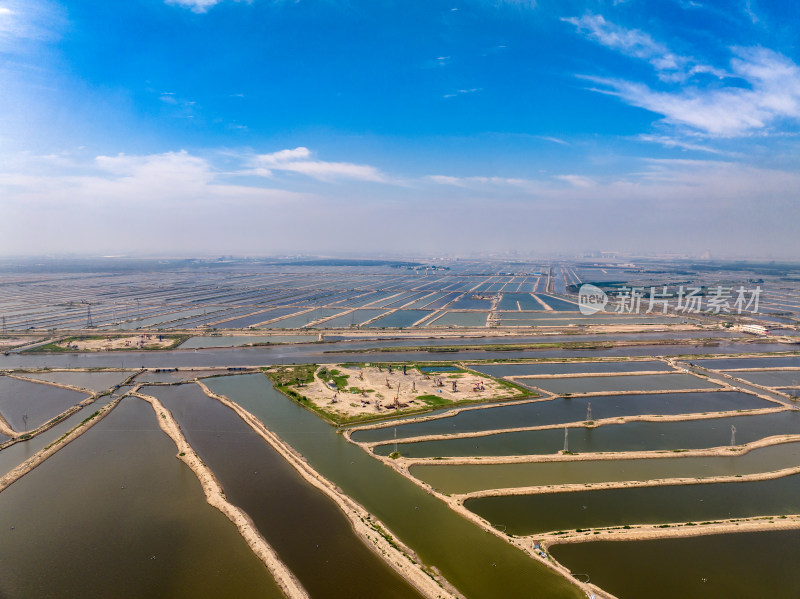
(460, 319)
(239, 340)
(557, 304)
(573, 409)
(632, 436)
(354, 318)
(742, 565)
(94, 381)
(255, 318)
(478, 564)
(532, 368)
(544, 512)
(117, 515)
(13, 455)
(304, 526)
(173, 375)
(468, 478)
(729, 363)
(770, 378)
(26, 406)
(399, 319)
(301, 320)
(604, 384)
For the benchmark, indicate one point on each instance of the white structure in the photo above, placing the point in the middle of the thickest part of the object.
(754, 329)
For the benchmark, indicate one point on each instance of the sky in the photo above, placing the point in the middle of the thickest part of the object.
(381, 127)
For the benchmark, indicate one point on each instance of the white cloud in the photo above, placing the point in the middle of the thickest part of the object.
(198, 6)
(155, 181)
(29, 20)
(576, 180)
(638, 44)
(299, 160)
(726, 108)
(773, 94)
(460, 92)
(477, 182)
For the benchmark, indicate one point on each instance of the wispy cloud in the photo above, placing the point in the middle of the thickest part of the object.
(475, 182)
(638, 44)
(672, 142)
(26, 20)
(461, 92)
(555, 140)
(726, 108)
(198, 6)
(773, 94)
(300, 160)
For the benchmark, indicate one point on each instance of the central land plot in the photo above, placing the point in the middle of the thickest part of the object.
(350, 391)
(631, 436)
(469, 478)
(662, 504)
(566, 410)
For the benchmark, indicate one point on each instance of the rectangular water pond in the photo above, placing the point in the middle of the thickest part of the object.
(596, 384)
(632, 436)
(501, 370)
(239, 340)
(93, 381)
(546, 512)
(770, 378)
(564, 410)
(399, 319)
(304, 526)
(460, 319)
(26, 406)
(468, 478)
(115, 514)
(742, 565)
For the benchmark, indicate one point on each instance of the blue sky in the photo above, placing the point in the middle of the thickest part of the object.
(327, 126)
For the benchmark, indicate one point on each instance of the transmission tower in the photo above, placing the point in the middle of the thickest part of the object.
(89, 323)
(733, 435)
(589, 411)
(566, 440)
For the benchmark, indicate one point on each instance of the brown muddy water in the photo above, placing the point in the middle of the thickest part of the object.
(115, 514)
(305, 527)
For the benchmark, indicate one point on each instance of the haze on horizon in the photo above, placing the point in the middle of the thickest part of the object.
(341, 127)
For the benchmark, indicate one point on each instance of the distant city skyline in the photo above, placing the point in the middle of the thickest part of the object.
(263, 127)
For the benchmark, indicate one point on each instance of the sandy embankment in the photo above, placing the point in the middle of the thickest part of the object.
(403, 560)
(45, 453)
(215, 496)
(5, 429)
